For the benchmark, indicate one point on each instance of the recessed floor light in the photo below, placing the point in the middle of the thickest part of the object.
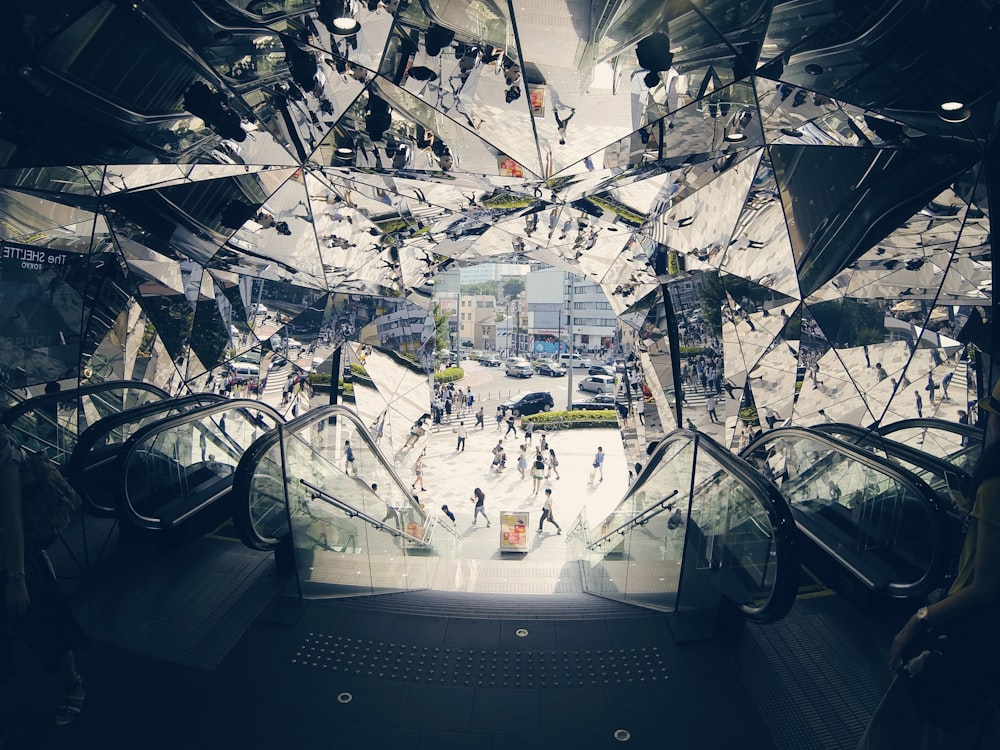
(953, 112)
(794, 132)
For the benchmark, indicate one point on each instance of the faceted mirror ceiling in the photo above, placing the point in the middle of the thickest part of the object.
(792, 196)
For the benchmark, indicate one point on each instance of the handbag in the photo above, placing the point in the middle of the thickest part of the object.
(952, 673)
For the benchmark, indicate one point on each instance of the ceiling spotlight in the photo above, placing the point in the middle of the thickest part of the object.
(814, 70)
(345, 26)
(793, 132)
(343, 153)
(223, 36)
(735, 137)
(954, 112)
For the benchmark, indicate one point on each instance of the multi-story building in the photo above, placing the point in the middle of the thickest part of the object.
(564, 308)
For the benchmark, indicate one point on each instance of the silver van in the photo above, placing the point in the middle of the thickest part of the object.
(597, 384)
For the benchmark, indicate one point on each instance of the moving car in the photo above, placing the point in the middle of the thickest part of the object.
(601, 370)
(576, 359)
(490, 362)
(519, 368)
(529, 403)
(551, 369)
(597, 384)
(599, 401)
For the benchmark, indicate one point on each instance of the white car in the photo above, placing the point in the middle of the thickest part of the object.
(598, 384)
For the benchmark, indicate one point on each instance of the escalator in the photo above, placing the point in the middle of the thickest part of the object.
(349, 528)
(177, 473)
(97, 455)
(870, 529)
(51, 423)
(699, 526)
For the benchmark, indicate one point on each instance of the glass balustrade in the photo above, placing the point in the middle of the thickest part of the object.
(698, 523)
(957, 443)
(51, 423)
(354, 525)
(877, 523)
(176, 468)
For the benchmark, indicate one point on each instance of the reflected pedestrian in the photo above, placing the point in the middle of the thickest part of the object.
(553, 464)
(480, 419)
(418, 472)
(537, 473)
(460, 431)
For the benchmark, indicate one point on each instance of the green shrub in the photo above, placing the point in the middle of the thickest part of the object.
(748, 414)
(319, 378)
(576, 418)
(357, 369)
(449, 374)
(690, 351)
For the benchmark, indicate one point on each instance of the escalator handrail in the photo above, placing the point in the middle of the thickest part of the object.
(32, 404)
(128, 451)
(247, 469)
(638, 520)
(352, 512)
(930, 423)
(79, 465)
(908, 453)
(939, 555)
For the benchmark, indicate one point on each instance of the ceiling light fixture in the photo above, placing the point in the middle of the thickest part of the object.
(814, 70)
(343, 153)
(794, 132)
(735, 137)
(954, 112)
(345, 26)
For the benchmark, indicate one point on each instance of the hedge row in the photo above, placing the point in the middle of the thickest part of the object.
(575, 418)
(449, 374)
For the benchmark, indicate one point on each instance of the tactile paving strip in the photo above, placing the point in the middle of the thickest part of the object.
(470, 667)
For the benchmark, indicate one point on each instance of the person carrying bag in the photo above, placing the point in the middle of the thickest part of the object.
(946, 690)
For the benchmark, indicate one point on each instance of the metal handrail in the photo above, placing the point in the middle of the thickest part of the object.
(638, 520)
(352, 512)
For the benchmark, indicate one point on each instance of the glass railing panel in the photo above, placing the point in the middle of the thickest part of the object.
(268, 512)
(395, 550)
(880, 526)
(636, 550)
(177, 470)
(730, 535)
(51, 423)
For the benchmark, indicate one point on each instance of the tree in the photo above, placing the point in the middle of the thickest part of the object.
(513, 287)
(482, 287)
(440, 327)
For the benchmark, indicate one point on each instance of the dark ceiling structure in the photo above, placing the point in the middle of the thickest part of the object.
(825, 168)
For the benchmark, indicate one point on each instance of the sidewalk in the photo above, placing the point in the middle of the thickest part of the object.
(450, 477)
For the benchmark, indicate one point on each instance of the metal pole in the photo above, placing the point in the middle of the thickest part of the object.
(569, 372)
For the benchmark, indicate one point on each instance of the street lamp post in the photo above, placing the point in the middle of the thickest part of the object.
(569, 372)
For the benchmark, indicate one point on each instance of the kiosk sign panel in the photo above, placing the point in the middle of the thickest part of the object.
(514, 531)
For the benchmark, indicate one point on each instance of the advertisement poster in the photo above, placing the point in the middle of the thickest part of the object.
(509, 167)
(514, 531)
(536, 95)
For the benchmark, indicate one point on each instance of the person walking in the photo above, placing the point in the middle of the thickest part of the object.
(553, 464)
(598, 465)
(511, 425)
(499, 417)
(460, 431)
(522, 461)
(561, 123)
(418, 472)
(544, 444)
(480, 418)
(537, 473)
(447, 512)
(529, 430)
(640, 410)
(479, 498)
(349, 466)
(919, 404)
(547, 513)
(710, 408)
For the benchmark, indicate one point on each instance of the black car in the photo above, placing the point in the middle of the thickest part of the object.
(602, 401)
(490, 362)
(529, 403)
(551, 369)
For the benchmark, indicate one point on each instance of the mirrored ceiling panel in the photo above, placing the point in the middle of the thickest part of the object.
(264, 181)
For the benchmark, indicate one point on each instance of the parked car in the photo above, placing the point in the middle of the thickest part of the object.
(599, 401)
(597, 384)
(601, 370)
(490, 362)
(529, 403)
(552, 369)
(519, 369)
